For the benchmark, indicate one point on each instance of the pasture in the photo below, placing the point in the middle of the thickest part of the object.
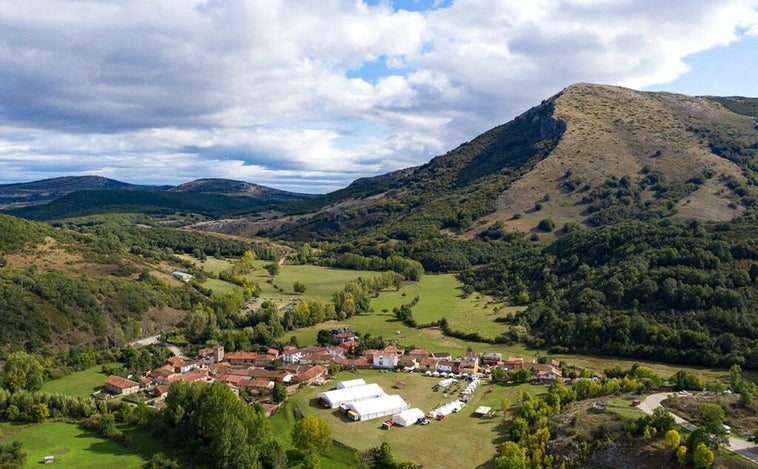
(77, 448)
(80, 383)
(460, 440)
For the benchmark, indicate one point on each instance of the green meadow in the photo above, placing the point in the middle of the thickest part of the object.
(80, 383)
(77, 448)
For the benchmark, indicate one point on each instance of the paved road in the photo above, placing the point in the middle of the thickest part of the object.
(736, 445)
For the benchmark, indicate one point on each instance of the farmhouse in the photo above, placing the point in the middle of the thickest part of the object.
(333, 399)
(373, 408)
(209, 356)
(118, 385)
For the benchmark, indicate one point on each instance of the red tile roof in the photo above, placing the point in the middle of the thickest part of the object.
(119, 382)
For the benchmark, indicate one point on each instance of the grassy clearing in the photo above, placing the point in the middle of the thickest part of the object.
(442, 296)
(210, 264)
(320, 282)
(77, 448)
(80, 383)
(338, 457)
(406, 442)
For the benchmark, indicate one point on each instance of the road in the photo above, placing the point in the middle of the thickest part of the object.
(154, 340)
(736, 445)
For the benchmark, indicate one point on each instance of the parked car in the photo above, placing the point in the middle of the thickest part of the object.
(422, 421)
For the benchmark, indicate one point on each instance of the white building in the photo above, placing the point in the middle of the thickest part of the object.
(408, 417)
(337, 397)
(374, 408)
(351, 383)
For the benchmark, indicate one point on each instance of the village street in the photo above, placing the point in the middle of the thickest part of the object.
(736, 445)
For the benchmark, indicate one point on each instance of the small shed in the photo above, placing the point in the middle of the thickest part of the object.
(482, 410)
(49, 460)
(408, 417)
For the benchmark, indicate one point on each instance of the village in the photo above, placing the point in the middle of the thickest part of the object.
(253, 376)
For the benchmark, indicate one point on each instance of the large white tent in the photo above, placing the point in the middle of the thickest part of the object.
(408, 417)
(378, 407)
(351, 383)
(335, 398)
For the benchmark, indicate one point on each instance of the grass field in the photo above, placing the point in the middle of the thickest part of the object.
(338, 457)
(77, 448)
(80, 383)
(461, 440)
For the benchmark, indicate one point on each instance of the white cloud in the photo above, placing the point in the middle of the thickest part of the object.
(156, 90)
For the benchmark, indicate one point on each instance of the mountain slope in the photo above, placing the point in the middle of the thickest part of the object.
(591, 154)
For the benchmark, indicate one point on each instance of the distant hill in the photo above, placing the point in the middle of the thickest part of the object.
(74, 196)
(591, 154)
(47, 190)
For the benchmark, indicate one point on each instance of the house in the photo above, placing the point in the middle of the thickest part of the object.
(469, 363)
(257, 384)
(492, 358)
(418, 353)
(241, 358)
(342, 335)
(350, 344)
(387, 358)
(446, 366)
(291, 354)
(180, 365)
(160, 391)
(428, 364)
(209, 356)
(342, 363)
(442, 355)
(407, 361)
(309, 376)
(118, 385)
(190, 376)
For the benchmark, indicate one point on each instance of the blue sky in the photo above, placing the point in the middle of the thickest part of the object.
(309, 96)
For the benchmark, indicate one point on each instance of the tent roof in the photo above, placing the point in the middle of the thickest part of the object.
(378, 404)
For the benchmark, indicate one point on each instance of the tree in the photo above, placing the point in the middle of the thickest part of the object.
(383, 458)
(12, 456)
(681, 454)
(324, 337)
(311, 435)
(279, 393)
(498, 375)
(672, 438)
(546, 225)
(299, 287)
(712, 416)
(512, 456)
(22, 371)
(735, 377)
(702, 457)
(272, 268)
(40, 412)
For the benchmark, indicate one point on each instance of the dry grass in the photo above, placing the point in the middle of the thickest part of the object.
(613, 131)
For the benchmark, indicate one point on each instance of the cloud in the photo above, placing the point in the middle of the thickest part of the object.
(310, 94)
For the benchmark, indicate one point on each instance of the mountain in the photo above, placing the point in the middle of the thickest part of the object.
(69, 197)
(47, 190)
(591, 154)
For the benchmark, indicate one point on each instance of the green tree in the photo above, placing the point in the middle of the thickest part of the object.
(272, 269)
(40, 412)
(672, 438)
(22, 371)
(279, 393)
(383, 458)
(702, 457)
(12, 455)
(712, 418)
(311, 435)
(512, 456)
(735, 377)
(323, 337)
(681, 454)
(546, 225)
(299, 287)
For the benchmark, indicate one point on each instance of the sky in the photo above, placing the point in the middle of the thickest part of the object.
(308, 96)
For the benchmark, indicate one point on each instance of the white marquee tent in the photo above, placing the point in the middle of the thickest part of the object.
(351, 383)
(408, 417)
(335, 398)
(378, 407)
